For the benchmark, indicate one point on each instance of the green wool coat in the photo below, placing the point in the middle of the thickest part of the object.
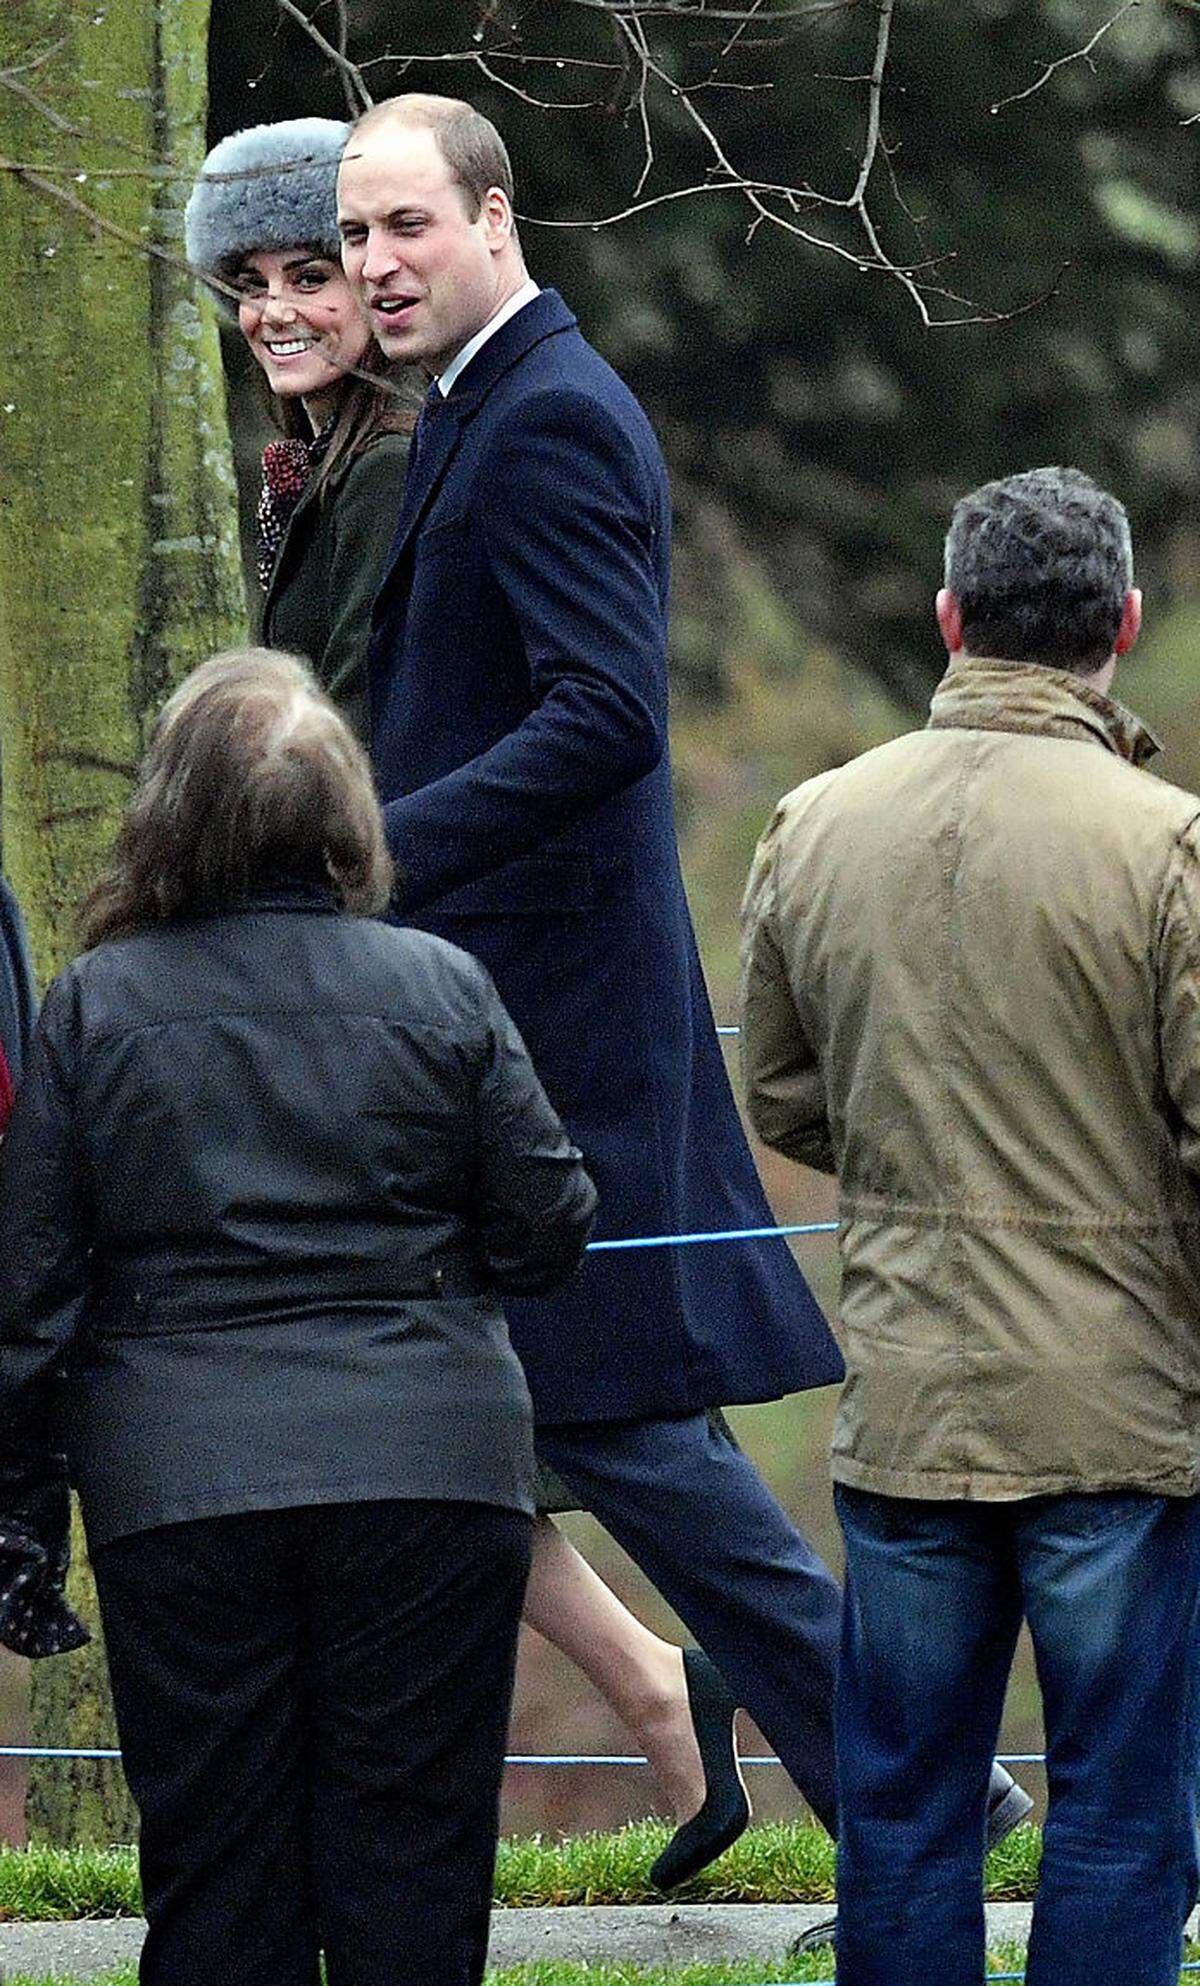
(328, 570)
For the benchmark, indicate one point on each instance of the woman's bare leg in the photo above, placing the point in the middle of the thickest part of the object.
(636, 1671)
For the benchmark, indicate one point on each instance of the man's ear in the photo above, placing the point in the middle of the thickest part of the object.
(498, 213)
(949, 620)
(1131, 622)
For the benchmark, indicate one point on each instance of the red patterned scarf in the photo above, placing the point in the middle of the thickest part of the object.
(288, 467)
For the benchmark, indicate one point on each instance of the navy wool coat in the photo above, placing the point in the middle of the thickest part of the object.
(518, 692)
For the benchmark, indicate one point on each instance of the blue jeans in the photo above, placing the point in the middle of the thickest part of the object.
(936, 1591)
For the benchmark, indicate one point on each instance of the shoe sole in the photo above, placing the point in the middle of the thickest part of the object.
(1015, 1807)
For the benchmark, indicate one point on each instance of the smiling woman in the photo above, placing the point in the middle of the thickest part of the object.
(262, 217)
(300, 320)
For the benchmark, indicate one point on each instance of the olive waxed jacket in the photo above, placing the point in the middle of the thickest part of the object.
(971, 986)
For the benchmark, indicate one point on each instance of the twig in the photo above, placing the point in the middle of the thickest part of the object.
(60, 197)
(35, 61)
(526, 58)
(343, 43)
(757, 192)
(97, 172)
(678, 10)
(1076, 55)
(875, 106)
(352, 76)
(69, 129)
(735, 37)
(83, 760)
(635, 35)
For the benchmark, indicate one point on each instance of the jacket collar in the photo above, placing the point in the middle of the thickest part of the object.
(978, 693)
(282, 891)
(542, 317)
(545, 317)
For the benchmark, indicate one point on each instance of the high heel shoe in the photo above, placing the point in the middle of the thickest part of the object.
(726, 1810)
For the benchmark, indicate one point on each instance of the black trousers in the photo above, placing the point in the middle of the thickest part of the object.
(312, 1706)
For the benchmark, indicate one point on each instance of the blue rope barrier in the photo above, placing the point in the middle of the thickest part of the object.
(57, 1751)
(744, 1758)
(990, 1978)
(719, 1234)
(539, 1759)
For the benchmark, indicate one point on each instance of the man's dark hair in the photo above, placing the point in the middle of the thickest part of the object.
(1040, 565)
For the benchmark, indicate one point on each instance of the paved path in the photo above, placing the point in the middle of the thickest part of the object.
(663, 1934)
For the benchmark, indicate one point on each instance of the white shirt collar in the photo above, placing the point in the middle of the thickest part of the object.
(528, 290)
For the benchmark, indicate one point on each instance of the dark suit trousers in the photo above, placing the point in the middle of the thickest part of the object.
(695, 1514)
(313, 1706)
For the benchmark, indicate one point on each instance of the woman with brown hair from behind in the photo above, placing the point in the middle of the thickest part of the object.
(271, 1168)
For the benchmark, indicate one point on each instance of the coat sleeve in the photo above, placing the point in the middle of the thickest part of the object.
(365, 513)
(571, 527)
(536, 1202)
(1178, 991)
(44, 1243)
(16, 984)
(781, 1075)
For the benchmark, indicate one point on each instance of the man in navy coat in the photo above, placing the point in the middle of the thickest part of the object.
(518, 685)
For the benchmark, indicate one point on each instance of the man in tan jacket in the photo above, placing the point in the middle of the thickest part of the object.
(971, 987)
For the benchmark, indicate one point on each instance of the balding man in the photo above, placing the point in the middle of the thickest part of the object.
(518, 687)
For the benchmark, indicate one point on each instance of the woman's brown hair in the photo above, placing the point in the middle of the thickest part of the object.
(251, 776)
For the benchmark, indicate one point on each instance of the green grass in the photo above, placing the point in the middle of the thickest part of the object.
(560, 1972)
(782, 1862)
(552, 1972)
(41, 1883)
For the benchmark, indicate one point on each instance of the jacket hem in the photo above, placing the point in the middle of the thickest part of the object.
(979, 1486)
(104, 1527)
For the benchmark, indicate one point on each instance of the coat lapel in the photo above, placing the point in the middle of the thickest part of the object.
(292, 537)
(546, 315)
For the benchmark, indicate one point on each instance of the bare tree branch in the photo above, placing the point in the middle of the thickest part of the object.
(782, 206)
(68, 128)
(635, 34)
(349, 71)
(84, 760)
(35, 61)
(875, 107)
(53, 171)
(1076, 55)
(680, 10)
(343, 43)
(526, 57)
(739, 31)
(59, 196)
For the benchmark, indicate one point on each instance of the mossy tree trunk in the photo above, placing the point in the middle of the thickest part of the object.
(118, 546)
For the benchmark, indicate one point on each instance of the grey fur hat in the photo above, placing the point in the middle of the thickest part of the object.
(283, 195)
